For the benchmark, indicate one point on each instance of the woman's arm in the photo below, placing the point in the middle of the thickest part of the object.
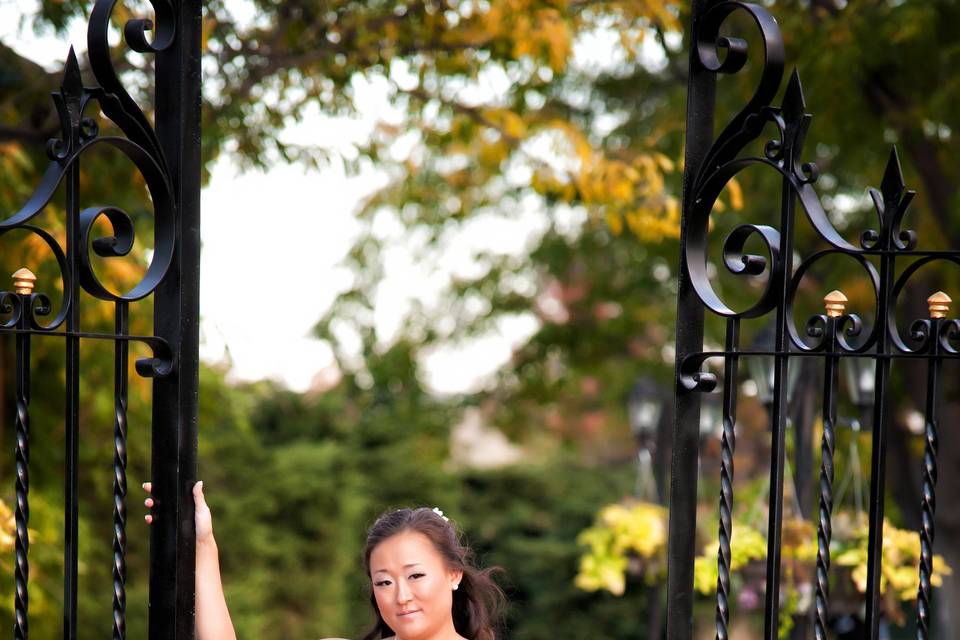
(212, 617)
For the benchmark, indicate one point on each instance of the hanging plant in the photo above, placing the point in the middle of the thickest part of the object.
(630, 538)
(626, 538)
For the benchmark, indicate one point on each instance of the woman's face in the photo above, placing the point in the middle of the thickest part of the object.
(413, 587)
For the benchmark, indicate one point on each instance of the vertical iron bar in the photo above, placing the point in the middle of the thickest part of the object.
(701, 89)
(22, 456)
(176, 319)
(728, 442)
(120, 381)
(827, 447)
(878, 453)
(72, 404)
(929, 497)
(771, 623)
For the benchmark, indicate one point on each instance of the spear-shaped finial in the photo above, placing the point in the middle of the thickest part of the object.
(72, 82)
(892, 185)
(794, 104)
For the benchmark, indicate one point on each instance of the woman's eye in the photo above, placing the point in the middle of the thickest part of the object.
(382, 583)
(417, 576)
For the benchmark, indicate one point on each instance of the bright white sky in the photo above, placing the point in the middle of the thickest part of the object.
(272, 242)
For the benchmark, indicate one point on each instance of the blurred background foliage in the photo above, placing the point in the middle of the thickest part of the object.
(596, 148)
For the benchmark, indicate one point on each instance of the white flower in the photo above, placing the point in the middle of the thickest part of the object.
(437, 511)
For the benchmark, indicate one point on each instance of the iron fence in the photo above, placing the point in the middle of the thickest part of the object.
(167, 158)
(888, 257)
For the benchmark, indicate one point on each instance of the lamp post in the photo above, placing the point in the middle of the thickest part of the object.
(644, 408)
(860, 377)
(644, 412)
(761, 368)
(761, 371)
(710, 415)
(645, 404)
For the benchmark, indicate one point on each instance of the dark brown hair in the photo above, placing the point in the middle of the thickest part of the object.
(478, 603)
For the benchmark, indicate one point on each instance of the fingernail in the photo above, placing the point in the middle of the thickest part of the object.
(149, 519)
(200, 484)
(148, 502)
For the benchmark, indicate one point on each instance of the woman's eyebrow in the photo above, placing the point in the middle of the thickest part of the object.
(406, 566)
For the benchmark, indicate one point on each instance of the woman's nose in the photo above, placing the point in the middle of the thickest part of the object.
(403, 593)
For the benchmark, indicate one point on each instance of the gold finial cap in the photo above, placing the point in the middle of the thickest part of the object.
(939, 304)
(835, 303)
(23, 281)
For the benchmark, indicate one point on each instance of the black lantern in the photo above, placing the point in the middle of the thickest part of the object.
(644, 408)
(644, 412)
(860, 375)
(762, 368)
(710, 415)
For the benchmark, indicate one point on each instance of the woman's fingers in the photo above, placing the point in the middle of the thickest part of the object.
(202, 517)
(198, 495)
(203, 520)
(149, 502)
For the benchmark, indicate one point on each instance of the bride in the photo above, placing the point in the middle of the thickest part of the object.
(423, 585)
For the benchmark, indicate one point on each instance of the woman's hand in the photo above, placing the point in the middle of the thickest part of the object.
(203, 520)
(212, 616)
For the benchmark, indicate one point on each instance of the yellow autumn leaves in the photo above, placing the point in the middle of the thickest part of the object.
(632, 538)
(747, 545)
(625, 189)
(533, 31)
(629, 194)
(637, 530)
(901, 561)
(8, 528)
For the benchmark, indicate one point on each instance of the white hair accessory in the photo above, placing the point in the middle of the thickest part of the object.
(437, 511)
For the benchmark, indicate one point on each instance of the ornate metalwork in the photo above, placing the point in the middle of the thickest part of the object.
(888, 257)
(32, 314)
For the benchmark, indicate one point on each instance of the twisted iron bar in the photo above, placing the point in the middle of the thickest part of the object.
(827, 447)
(929, 507)
(728, 443)
(824, 529)
(928, 492)
(22, 453)
(120, 476)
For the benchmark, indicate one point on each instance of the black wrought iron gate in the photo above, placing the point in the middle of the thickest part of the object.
(167, 156)
(888, 257)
